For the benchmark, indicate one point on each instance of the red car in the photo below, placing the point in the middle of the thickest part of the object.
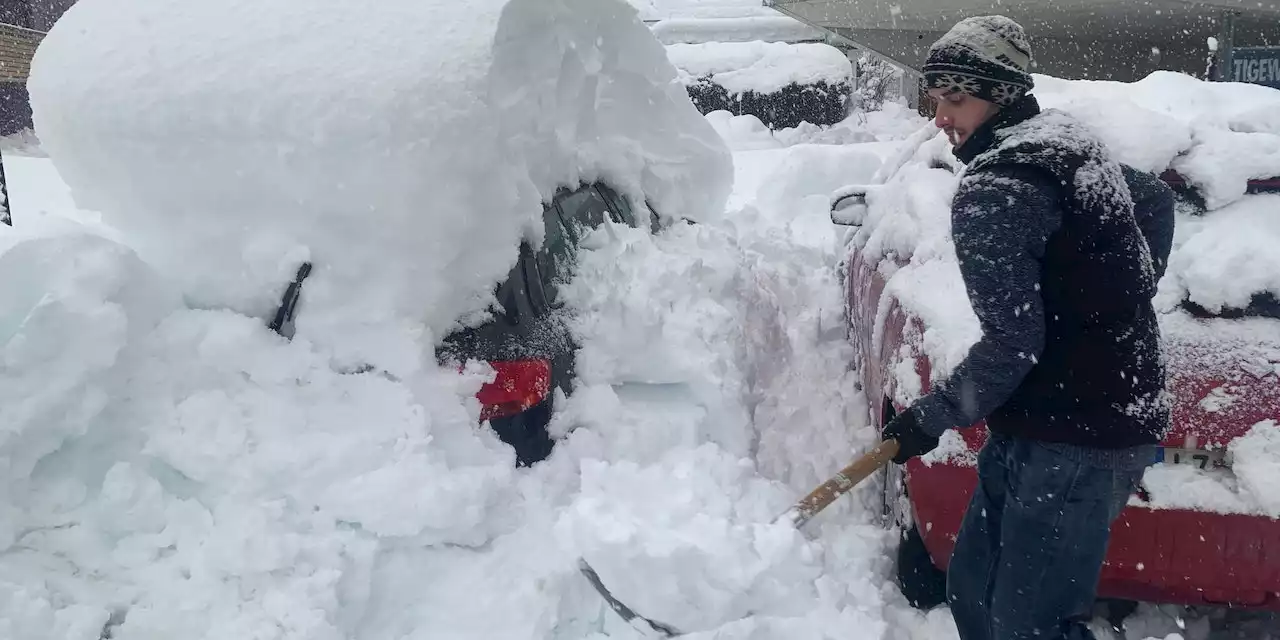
(1157, 553)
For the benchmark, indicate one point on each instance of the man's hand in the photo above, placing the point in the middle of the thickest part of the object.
(912, 441)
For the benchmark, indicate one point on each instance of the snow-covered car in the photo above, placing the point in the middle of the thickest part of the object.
(428, 183)
(1202, 529)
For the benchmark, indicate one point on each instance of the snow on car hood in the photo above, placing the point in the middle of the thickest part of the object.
(403, 152)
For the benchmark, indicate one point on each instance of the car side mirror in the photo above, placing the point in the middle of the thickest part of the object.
(849, 206)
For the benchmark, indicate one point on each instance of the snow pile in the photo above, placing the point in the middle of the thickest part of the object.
(195, 471)
(743, 133)
(1257, 465)
(1220, 163)
(769, 28)
(689, 540)
(240, 140)
(761, 67)
(1217, 135)
(723, 361)
(1223, 258)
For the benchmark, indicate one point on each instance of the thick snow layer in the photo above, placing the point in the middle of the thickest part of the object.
(1257, 465)
(763, 67)
(1217, 135)
(1226, 256)
(404, 153)
(1250, 486)
(769, 28)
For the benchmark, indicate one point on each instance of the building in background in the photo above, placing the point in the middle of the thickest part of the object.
(23, 24)
(33, 14)
(1122, 40)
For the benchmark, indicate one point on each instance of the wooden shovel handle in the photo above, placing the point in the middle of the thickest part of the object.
(841, 483)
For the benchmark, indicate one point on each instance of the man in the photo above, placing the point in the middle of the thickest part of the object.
(1049, 233)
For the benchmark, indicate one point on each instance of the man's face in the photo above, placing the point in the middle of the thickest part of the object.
(959, 114)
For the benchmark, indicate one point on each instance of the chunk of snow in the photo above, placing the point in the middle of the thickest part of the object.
(1220, 163)
(744, 132)
(1187, 487)
(1256, 462)
(762, 67)
(1262, 119)
(404, 153)
(1223, 258)
(952, 449)
(690, 540)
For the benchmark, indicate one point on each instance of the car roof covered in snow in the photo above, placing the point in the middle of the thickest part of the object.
(1215, 136)
(404, 149)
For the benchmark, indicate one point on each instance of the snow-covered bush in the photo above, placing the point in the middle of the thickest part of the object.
(782, 84)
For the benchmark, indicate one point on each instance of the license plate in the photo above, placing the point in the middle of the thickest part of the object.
(1201, 458)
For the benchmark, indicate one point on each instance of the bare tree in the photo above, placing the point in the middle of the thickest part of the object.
(877, 81)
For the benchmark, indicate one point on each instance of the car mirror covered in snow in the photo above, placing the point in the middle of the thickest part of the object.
(230, 142)
(849, 206)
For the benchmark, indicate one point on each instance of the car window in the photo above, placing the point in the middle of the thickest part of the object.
(566, 221)
(583, 210)
(555, 258)
(619, 204)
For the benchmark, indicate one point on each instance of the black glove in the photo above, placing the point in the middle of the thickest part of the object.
(912, 441)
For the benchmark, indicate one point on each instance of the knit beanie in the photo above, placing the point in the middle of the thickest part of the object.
(986, 57)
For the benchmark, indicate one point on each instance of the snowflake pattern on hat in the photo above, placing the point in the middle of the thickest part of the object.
(953, 82)
(1005, 94)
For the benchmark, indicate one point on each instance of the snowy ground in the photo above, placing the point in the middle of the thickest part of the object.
(715, 391)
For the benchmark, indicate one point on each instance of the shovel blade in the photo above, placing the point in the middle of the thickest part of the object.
(627, 613)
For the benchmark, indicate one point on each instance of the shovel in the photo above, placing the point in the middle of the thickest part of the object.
(800, 513)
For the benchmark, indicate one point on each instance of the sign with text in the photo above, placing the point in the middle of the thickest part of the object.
(1256, 65)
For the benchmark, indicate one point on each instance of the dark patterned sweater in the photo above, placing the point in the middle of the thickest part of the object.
(1060, 249)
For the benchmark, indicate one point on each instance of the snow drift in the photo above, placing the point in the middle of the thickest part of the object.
(231, 142)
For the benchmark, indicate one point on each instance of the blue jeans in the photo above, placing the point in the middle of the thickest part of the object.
(1031, 546)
